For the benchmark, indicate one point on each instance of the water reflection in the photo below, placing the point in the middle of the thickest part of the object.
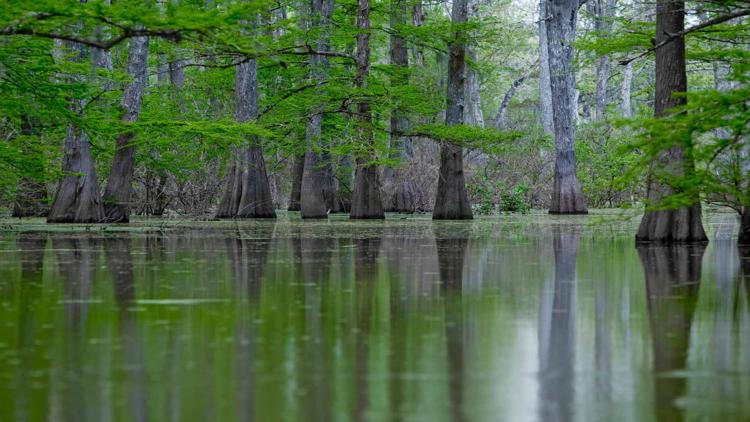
(247, 253)
(371, 321)
(31, 247)
(451, 253)
(557, 330)
(673, 276)
(120, 263)
(77, 261)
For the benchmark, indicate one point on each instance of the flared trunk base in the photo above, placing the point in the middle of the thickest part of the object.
(682, 225)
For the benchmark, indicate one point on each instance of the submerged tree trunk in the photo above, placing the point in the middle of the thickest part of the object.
(545, 87)
(77, 199)
(451, 200)
(681, 224)
(567, 197)
(120, 182)
(366, 200)
(298, 167)
(312, 197)
(247, 193)
(398, 188)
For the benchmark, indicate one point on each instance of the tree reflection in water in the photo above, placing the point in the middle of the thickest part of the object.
(673, 276)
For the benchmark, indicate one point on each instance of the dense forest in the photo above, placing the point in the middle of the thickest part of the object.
(235, 109)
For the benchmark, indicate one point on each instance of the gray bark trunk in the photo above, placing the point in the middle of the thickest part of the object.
(313, 194)
(603, 12)
(602, 77)
(247, 194)
(682, 224)
(77, 199)
(398, 188)
(366, 199)
(452, 200)
(298, 167)
(120, 182)
(626, 107)
(567, 197)
(473, 111)
(545, 87)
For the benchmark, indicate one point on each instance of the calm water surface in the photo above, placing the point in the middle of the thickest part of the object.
(513, 318)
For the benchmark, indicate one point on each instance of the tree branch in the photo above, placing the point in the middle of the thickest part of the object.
(715, 21)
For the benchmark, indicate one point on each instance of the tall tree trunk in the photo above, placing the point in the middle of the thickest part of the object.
(626, 107)
(120, 182)
(366, 201)
(682, 224)
(451, 200)
(298, 168)
(312, 197)
(545, 87)
(418, 17)
(398, 188)
(567, 197)
(77, 199)
(473, 111)
(603, 12)
(247, 194)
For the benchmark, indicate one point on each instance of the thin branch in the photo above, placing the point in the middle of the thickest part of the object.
(715, 21)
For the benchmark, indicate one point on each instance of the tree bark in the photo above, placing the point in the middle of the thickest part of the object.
(603, 12)
(473, 112)
(567, 197)
(682, 224)
(247, 194)
(545, 87)
(366, 200)
(298, 167)
(626, 107)
(77, 199)
(451, 200)
(398, 188)
(313, 192)
(120, 183)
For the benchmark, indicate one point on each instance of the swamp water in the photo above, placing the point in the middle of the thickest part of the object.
(511, 318)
